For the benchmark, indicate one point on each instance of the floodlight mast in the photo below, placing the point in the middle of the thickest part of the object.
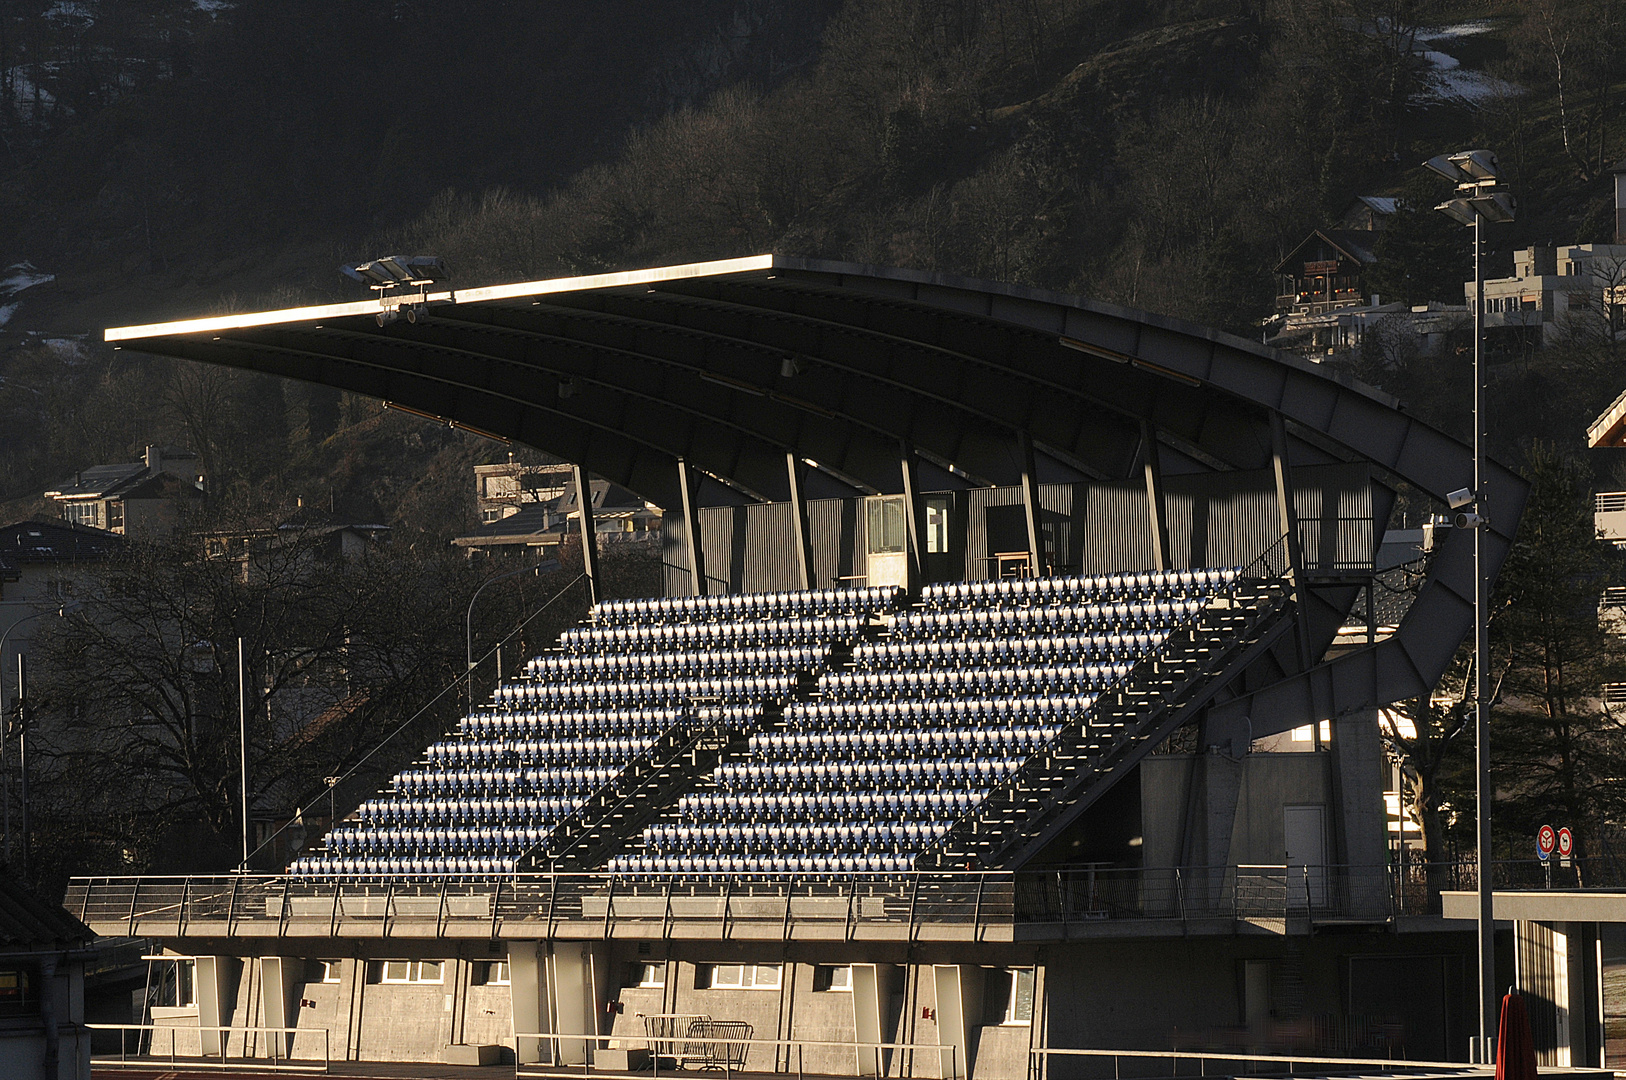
(1479, 200)
(392, 272)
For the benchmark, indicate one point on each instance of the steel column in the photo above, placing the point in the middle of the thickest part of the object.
(1154, 496)
(914, 511)
(589, 528)
(798, 516)
(691, 531)
(1030, 498)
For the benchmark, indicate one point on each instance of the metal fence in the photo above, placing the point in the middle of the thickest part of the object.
(955, 905)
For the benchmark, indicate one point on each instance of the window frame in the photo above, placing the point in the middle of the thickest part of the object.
(745, 983)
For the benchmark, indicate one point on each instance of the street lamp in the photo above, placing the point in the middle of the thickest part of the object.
(1478, 200)
(468, 619)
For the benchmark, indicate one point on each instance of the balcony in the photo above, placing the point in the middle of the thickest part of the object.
(1609, 515)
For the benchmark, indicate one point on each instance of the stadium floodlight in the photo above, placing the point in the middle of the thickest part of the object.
(1465, 167)
(1477, 201)
(398, 272)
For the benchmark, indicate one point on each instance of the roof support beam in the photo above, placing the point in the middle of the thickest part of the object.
(589, 531)
(798, 515)
(691, 532)
(914, 512)
(1154, 497)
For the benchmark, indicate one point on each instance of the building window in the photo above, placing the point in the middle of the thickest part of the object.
(737, 977)
(833, 978)
(644, 974)
(175, 983)
(84, 513)
(17, 997)
(115, 516)
(408, 971)
(491, 973)
(325, 971)
(1011, 995)
(1614, 693)
(886, 525)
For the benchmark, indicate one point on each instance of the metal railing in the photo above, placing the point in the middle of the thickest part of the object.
(902, 1054)
(277, 1058)
(922, 905)
(1267, 1064)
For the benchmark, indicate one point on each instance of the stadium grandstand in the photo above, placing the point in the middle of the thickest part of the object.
(1015, 691)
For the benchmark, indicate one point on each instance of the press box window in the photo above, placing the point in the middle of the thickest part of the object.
(937, 526)
(17, 996)
(408, 971)
(886, 525)
(833, 977)
(737, 977)
(175, 983)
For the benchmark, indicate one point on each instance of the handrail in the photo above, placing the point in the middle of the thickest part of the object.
(275, 1062)
(1039, 1060)
(798, 1044)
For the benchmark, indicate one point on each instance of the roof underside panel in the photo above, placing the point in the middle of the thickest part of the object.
(732, 367)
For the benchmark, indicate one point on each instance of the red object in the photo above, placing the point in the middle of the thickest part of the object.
(1566, 843)
(1545, 840)
(1515, 1049)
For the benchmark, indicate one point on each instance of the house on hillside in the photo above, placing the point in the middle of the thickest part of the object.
(533, 509)
(39, 561)
(139, 499)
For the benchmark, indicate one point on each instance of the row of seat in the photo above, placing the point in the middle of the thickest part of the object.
(702, 865)
(570, 723)
(624, 692)
(1195, 582)
(437, 866)
(1014, 711)
(668, 663)
(753, 632)
(808, 836)
(963, 742)
(1125, 616)
(980, 652)
(473, 753)
(496, 782)
(413, 810)
(841, 772)
(431, 840)
(1037, 680)
(731, 606)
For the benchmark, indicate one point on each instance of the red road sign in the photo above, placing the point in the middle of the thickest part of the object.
(1566, 843)
(1546, 840)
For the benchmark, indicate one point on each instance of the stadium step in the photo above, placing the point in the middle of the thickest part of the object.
(1085, 760)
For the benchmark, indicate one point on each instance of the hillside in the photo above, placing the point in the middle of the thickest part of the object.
(1162, 156)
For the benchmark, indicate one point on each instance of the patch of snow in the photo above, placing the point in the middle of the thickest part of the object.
(66, 348)
(6, 312)
(20, 276)
(1455, 30)
(213, 7)
(67, 9)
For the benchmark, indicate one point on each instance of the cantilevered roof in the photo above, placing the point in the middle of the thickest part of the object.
(730, 366)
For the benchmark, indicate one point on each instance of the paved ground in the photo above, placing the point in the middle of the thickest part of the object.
(371, 1069)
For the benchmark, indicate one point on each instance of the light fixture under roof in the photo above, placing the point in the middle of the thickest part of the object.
(398, 271)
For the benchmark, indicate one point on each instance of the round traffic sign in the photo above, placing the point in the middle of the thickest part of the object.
(1566, 843)
(1546, 840)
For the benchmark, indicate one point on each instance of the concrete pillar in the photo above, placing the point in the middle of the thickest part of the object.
(959, 1008)
(216, 983)
(691, 531)
(1357, 758)
(279, 1004)
(1155, 503)
(579, 984)
(872, 988)
(798, 515)
(1556, 964)
(589, 530)
(528, 1002)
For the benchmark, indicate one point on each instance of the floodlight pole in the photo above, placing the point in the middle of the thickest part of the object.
(242, 746)
(1482, 761)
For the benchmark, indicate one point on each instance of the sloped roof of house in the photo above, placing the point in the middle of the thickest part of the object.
(99, 481)
(1351, 244)
(55, 541)
(28, 922)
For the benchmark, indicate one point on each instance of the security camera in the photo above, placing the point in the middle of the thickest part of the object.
(1466, 519)
(1460, 498)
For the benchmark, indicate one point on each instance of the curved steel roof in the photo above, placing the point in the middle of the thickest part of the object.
(731, 365)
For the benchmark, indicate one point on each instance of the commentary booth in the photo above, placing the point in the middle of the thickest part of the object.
(1014, 692)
